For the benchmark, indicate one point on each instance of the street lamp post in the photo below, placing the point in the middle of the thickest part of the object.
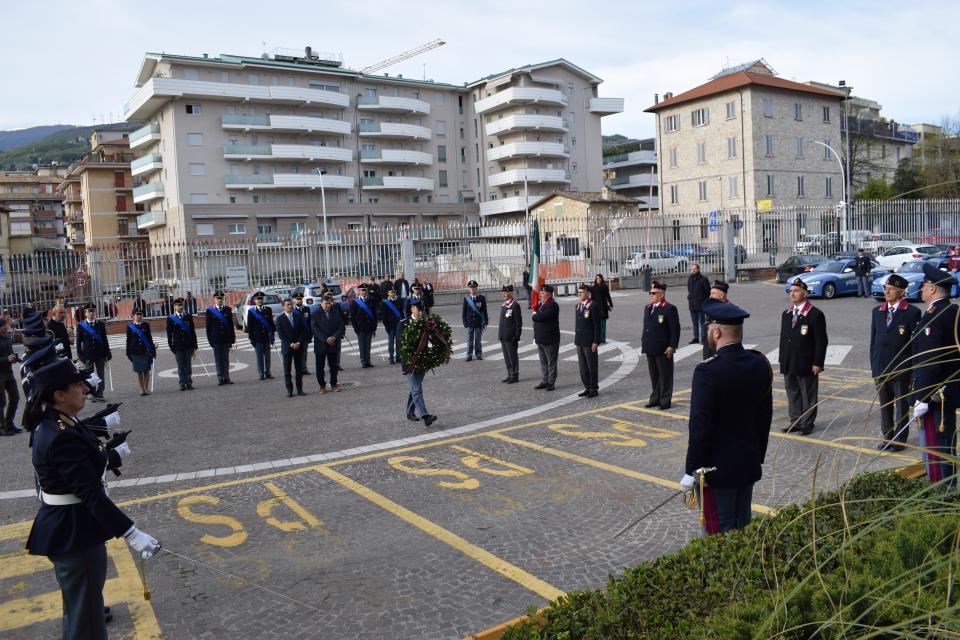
(326, 242)
(843, 191)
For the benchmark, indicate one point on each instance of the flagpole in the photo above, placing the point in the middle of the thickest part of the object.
(526, 206)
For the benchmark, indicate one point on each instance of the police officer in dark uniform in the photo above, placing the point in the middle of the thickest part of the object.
(415, 297)
(262, 331)
(304, 312)
(182, 340)
(718, 291)
(661, 335)
(92, 346)
(475, 320)
(936, 374)
(508, 332)
(731, 408)
(363, 317)
(392, 312)
(546, 334)
(891, 329)
(587, 338)
(76, 516)
(218, 320)
(803, 348)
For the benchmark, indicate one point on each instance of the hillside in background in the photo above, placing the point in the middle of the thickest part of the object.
(63, 147)
(23, 137)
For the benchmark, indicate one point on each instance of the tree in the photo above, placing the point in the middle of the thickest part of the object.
(876, 189)
(908, 181)
(939, 159)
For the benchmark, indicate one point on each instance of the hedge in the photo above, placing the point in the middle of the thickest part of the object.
(884, 563)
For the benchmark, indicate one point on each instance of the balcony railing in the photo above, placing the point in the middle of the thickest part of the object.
(248, 179)
(144, 161)
(393, 104)
(144, 135)
(149, 191)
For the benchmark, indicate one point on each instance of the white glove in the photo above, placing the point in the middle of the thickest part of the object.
(93, 381)
(144, 543)
(123, 450)
(112, 420)
(920, 409)
(686, 484)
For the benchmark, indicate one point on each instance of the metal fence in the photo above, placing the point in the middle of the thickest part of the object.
(573, 249)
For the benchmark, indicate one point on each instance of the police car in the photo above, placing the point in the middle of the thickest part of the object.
(313, 291)
(912, 272)
(835, 278)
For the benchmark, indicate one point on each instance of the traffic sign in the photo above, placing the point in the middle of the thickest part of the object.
(713, 221)
(737, 224)
(80, 276)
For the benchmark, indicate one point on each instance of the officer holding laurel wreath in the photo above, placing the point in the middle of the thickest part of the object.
(415, 402)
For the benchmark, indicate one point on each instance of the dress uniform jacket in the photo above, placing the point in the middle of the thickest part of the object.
(546, 323)
(135, 346)
(362, 321)
(291, 330)
(934, 365)
(470, 317)
(220, 331)
(180, 339)
(587, 327)
(304, 312)
(88, 347)
(731, 408)
(805, 345)
(511, 326)
(70, 460)
(323, 326)
(890, 347)
(391, 319)
(59, 331)
(260, 334)
(661, 328)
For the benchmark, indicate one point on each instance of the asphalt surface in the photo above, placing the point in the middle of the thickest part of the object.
(332, 516)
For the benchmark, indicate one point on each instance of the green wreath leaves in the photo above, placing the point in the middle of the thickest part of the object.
(435, 352)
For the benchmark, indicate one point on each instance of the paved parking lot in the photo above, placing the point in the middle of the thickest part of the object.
(355, 523)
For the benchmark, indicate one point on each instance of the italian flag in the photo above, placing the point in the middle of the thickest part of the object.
(535, 280)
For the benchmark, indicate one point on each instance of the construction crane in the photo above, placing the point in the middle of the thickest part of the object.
(389, 62)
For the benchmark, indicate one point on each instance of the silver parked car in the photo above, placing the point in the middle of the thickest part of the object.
(272, 297)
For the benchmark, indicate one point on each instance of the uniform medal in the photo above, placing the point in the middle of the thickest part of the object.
(803, 329)
(901, 329)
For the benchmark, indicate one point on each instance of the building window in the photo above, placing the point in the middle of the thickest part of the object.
(195, 139)
(826, 114)
(204, 229)
(237, 228)
(797, 111)
(465, 179)
(190, 74)
(193, 109)
(573, 142)
(768, 107)
(672, 123)
(770, 185)
(199, 198)
(700, 117)
(463, 155)
(297, 229)
(673, 158)
(800, 147)
(198, 169)
(828, 187)
(731, 110)
(573, 167)
(674, 194)
(734, 186)
(701, 152)
(264, 229)
(800, 190)
(769, 145)
(732, 147)
(366, 122)
(441, 129)
(255, 169)
(443, 177)
(233, 199)
(370, 92)
(826, 150)
(702, 190)
(441, 153)
(121, 203)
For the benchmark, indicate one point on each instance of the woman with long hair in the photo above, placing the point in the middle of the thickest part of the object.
(601, 297)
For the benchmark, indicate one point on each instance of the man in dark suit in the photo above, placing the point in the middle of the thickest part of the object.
(182, 340)
(218, 321)
(698, 290)
(731, 408)
(293, 338)
(475, 320)
(891, 328)
(587, 338)
(304, 312)
(861, 269)
(328, 328)
(262, 331)
(392, 313)
(936, 374)
(661, 335)
(401, 286)
(92, 346)
(58, 328)
(803, 348)
(363, 317)
(528, 288)
(546, 333)
(508, 331)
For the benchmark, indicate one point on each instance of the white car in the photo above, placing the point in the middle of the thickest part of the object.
(896, 257)
(879, 242)
(272, 297)
(658, 261)
(809, 244)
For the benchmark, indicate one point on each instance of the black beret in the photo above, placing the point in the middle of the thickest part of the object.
(797, 282)
(658, 286)
(507, 287)
(547, 288)
(897, 281)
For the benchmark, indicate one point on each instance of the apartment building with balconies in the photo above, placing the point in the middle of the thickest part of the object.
(35, 217)
(98, 194)
(633, 174)
(238, 146)
(748, 138)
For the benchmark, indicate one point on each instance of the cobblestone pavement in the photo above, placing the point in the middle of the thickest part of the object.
(354, 523)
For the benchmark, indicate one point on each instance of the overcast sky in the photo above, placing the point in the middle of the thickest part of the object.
(71, 62)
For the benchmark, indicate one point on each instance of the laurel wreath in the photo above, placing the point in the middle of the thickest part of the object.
(435, 352)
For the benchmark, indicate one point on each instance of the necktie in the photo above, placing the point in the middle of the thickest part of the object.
(889, 316)
(796, 314)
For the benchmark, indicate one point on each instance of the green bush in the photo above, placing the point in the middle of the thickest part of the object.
(879, 566)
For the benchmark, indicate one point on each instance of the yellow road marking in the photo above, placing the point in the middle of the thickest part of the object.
(19, 564)
(265, 508)
(504, 568)
(833, 397)
(605, 466)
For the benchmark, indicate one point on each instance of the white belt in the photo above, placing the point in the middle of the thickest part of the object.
(58, 500)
